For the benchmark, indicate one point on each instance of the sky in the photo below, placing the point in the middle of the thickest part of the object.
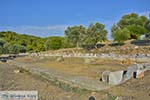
(51, 17)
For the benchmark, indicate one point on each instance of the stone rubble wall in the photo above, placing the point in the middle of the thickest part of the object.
(135, 57)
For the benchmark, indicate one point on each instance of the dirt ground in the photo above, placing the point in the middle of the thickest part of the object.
(77, 66)
(134, 89)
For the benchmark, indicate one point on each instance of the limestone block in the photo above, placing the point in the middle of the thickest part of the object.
(139, 74)
(116, 78)
(105, 76)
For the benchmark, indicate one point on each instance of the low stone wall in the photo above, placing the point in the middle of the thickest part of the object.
(137, 57)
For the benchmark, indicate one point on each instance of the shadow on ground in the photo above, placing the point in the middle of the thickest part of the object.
(141, 42)
(90, 47)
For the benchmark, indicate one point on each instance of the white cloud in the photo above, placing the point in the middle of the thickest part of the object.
(42, 31)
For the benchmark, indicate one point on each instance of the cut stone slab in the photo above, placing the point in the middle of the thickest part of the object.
(116, 78)
(139, 74)
(105, 76)
(128, 73)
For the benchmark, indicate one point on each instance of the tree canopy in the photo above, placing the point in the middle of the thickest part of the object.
(130, 26)
(131, 22)
(80, 35)
(94, 33)
(73, 34)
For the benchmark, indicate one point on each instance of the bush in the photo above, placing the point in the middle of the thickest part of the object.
(54, 43)
(121, 35)
(14, 49)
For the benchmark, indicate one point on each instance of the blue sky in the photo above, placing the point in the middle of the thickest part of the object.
(51, 17)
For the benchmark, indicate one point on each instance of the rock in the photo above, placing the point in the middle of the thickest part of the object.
(105, 76)
(17, 71)
(118, 98)
(116, 78)
(146, 66)
(127, 74)
(139, 74)
(139, 67)
(59, 59)
(136, 47)
(89, 60)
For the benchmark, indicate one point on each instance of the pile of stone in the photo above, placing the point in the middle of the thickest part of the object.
(118, 77)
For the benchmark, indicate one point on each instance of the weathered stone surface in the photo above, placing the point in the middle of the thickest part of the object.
(59, 59)
(146, 66)
(89, 60)
(118, 98)
(105, 76)
(116, 78)
(139, 74)
(16, 71)
(127, 74)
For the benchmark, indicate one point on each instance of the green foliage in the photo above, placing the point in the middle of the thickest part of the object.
(54, 43)
(2, 42)
(18, 42)
(1, 50)
(16, 49)
(73, 34)
(136, 31)
(130, 26)
(81, 36)
(121, 35)
(66, 43)
(147, 25)
(94, 34)
(133, 23)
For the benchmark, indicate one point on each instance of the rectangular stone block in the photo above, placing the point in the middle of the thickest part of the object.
(139, 74)
(116, 78)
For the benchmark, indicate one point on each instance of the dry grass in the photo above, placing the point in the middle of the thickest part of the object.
(77, 66)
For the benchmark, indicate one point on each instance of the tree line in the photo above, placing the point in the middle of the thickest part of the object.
(130, 26)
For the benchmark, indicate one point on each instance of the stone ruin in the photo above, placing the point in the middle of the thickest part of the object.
(118, 77)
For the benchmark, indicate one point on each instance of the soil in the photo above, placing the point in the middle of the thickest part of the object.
(134, 89)
(77, 66)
